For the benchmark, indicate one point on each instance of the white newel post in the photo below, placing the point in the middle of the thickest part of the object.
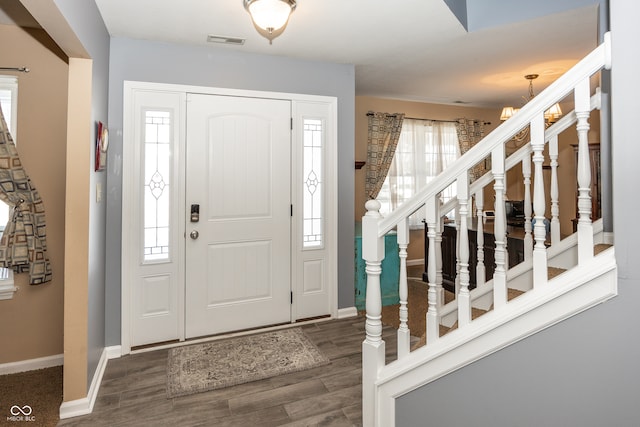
(585, 227)
(433, 320)
(480, 268)
(464, 298)
(373, 346)
(499, 229)
(539, 230)
(403, 290)
(555, 195)
(528, 229)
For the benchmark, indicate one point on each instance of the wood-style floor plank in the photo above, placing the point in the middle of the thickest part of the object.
(133, 390)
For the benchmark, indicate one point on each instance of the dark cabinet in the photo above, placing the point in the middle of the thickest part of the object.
(515, 251)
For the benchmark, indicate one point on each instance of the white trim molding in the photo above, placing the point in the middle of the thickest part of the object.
(345, 313)
(607, 237)
(84, 406)
(31, 364)
(113, 352)
(7, 289)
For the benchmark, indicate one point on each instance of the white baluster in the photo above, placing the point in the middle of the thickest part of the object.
(457, 279)
(528, 229)
(499, 229)
(555, 197)
(403, 290)
(433, 318)
(373, 347)
(539, 230)
(585, 227)
(439, 231)
(464, 298)
(481, 271)
(505, 185)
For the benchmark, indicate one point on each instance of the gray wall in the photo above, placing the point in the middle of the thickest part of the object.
(227, 68)
(476, 15)
(84, 18)
(583, 371)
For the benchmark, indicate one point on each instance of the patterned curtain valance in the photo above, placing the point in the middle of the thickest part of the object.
(23, 246)
(470, 132)
(383, 136)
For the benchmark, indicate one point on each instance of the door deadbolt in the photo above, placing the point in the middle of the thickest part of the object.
(194, 234)
(195, 213)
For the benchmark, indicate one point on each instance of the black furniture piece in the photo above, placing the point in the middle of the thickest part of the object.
(515, 250)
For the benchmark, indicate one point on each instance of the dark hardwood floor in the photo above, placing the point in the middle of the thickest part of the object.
(133, 390)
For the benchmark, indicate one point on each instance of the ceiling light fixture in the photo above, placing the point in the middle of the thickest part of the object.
(550, 116)
(270, 17)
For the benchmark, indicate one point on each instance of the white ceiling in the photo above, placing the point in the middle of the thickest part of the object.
(402, 49)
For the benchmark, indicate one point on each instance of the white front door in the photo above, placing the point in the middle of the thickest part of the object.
(266, 188)
(238, 208)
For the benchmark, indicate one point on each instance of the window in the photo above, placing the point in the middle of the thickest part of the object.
(157, 176)
(424, 150)
(9, 105)
(9, 101)
(313, 183)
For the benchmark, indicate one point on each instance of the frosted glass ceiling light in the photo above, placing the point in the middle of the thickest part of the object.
(270, 17)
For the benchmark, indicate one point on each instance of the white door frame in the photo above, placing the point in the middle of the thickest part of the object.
(302, 104)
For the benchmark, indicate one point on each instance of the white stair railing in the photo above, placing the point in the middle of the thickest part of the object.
(521, 156)
(375, 226)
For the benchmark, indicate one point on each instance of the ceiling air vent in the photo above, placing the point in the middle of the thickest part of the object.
(226, 40)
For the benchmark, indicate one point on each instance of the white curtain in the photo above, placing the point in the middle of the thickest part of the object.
(425, 148)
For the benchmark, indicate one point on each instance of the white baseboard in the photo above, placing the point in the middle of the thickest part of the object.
(84, 406)
(31, 364)
(608, 237)
(113, 352)
(412, 262)
(344, 313)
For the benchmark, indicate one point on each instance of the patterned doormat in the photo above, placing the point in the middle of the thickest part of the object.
(213, 365)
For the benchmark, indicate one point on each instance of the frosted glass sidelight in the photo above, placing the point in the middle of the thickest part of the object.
(313, 192)
(156, 179)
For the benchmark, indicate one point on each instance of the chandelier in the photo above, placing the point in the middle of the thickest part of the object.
(550, 116)
(270, 17)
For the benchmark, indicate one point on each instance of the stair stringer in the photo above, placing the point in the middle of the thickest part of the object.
(563, 254)
(565, 296)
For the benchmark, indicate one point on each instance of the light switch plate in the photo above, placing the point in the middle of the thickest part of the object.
(98, 192)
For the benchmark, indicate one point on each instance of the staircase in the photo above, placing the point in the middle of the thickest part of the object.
(557, 279)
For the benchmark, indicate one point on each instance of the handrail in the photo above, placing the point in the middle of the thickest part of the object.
(592, 63)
